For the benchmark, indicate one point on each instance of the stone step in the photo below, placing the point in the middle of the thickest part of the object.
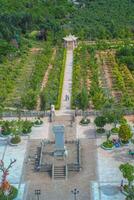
(59, 172)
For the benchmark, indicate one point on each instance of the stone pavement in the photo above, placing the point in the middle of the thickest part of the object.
(109, 176)
(41, 132)
(59, 190)
(67, 84)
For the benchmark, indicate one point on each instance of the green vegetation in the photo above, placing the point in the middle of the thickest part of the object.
(107, 144)
(28, 31)
(85, 121)
(128, 172)
(100, 122)
(125, 133)
(13, 194)
(52, 92)
(122, 81)
(15, 139)
(6, 128)
(86, 72)
(42, 61)
(38, 122)
(16, 127)
(89, 19)
(125, 55)
(26, 127)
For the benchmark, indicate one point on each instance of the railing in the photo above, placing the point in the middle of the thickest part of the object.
(73, 167)
(46, 168)
(25, 114)
(96, 113)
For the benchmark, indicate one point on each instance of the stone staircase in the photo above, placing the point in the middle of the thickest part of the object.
(59, 172)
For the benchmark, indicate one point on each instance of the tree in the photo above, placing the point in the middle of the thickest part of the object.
(128, 172)
(84, 102)
(1, 110)
(44, 99)
(30, 99)
(100, 121)
(125, 132)
(5, 172)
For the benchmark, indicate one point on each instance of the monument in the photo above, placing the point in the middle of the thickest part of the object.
(60, 149)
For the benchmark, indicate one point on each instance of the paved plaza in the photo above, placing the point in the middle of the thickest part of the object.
(99, 178)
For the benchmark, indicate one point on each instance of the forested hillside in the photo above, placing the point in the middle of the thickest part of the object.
(87, 18)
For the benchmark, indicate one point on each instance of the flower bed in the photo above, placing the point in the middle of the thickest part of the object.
(84, 121)
(13, 194)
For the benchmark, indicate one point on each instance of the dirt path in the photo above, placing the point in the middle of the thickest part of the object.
(45, 79)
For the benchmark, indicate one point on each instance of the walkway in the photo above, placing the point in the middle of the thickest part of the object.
(67, 84)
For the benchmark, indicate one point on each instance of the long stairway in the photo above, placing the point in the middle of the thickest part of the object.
(59, 172)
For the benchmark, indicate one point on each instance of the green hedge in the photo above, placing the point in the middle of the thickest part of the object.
(61, 80)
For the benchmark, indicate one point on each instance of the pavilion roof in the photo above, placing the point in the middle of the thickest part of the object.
(70, 38)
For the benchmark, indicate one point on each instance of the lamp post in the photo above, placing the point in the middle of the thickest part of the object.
(38, 193)
(75, 191)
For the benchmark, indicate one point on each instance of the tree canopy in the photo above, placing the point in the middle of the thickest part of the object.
(98, 19)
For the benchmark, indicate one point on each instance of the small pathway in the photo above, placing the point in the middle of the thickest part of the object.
(67, 84)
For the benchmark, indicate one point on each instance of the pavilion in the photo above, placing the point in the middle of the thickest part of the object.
(70, 41)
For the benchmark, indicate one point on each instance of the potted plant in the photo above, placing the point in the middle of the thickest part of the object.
(15, 138)
(38, 122)
(128, 173)
(100, 122)
(108, 144)
(125, 133)
(26, 127)
(115, 130)
(6, 128)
